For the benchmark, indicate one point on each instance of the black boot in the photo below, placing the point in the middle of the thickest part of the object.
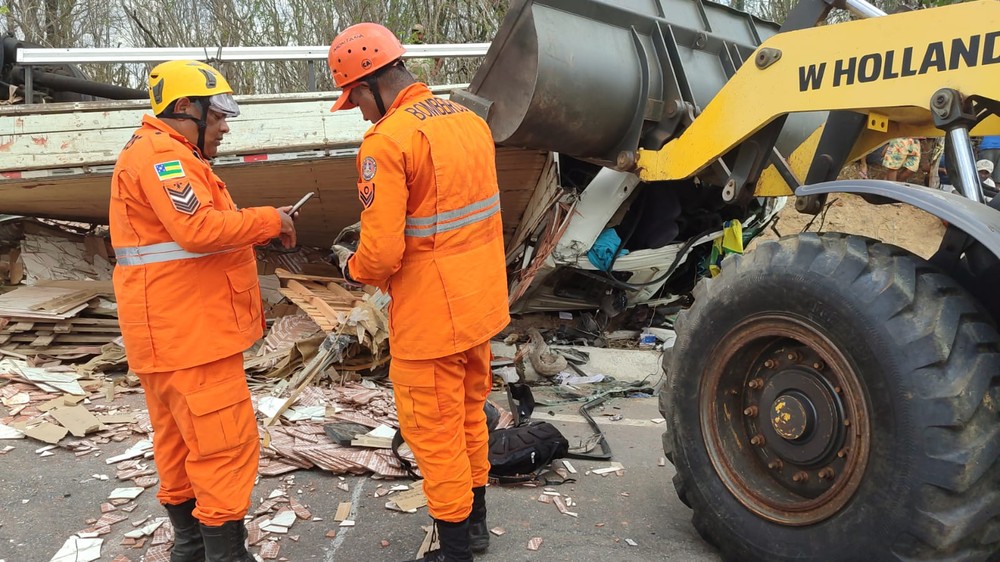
(454, 539)
(479, 534)
(188, 545)
(226, 543)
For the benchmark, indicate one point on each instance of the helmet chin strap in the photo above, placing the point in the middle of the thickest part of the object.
(372, 82)
(202, 122)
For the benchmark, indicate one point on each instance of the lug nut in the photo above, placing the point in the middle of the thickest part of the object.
(843, 452)
(757, 440)
(837, 389)
(800, 477)
(751, 411)
(818, 365)
(769, 363)
(776, 464)
(756, 383)
(827, 473)
(847, 423)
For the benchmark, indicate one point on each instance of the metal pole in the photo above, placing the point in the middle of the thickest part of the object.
(965, 163)
(311, 75)
(29, 85)
(864, 9)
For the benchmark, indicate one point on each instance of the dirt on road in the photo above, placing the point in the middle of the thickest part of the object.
(898, 224)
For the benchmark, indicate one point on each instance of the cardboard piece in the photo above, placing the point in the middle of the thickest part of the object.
(64, 400)
(430, 541)
(116, 418)
(47, 432)
(410, 500)
(77, 419)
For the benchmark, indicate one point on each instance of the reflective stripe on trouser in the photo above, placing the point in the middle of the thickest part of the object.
(440, 407)
(205, 439)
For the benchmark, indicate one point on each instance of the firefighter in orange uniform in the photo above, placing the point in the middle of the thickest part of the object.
(189, 305)
(431, 235)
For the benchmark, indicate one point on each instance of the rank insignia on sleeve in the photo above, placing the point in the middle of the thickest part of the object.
(183, 198)
(368, 168)
(366, 193)
(169, 170)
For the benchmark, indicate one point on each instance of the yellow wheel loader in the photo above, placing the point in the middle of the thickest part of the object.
(829, 396)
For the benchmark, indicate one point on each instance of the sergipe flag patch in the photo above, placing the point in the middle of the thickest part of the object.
(184, 199)
(169, 170)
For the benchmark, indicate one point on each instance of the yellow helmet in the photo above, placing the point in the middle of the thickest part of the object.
(177, 79)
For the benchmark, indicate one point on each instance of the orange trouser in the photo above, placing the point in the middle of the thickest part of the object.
(440, 407)
(204, 438)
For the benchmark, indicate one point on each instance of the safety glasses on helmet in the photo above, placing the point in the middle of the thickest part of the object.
(224, 104)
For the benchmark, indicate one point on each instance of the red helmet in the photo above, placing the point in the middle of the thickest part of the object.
(357, 52)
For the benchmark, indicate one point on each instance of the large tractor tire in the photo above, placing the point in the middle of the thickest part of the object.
(831, 397)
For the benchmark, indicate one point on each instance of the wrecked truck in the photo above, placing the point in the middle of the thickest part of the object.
(829, 396)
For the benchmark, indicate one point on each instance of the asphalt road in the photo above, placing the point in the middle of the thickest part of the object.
(44, 500)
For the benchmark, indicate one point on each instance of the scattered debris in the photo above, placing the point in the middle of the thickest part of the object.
(616, 468)
(125, 493)
(343, 512)
(631, 542)
(498, 531)
(534, 543)
(77, 549)
(269, 550)
(409, 501)
(139, 449)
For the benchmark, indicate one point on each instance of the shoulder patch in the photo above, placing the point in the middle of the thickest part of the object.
(368, 168)
(183, 197)
(169, 170)
(366, 193)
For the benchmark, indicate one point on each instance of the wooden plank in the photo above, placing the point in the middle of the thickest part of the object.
(341, 292)
(283, 273)
(42, 339)
(67, 338)
(296, 288)
(99, 287)
(63, 303)
(75, 321)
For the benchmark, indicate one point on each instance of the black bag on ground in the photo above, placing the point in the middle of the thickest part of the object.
(522, 452)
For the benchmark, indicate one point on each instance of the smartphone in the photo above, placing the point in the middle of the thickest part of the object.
(301, 202)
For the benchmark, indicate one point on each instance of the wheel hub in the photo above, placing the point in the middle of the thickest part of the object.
(805, 423)
(792, 416)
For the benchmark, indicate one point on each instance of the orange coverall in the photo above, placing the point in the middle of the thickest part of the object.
(431, 235)
(189, 305)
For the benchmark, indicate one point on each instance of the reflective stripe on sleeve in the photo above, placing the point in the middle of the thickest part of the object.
(157, 253)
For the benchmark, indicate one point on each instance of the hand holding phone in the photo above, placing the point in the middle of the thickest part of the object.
(295, 207)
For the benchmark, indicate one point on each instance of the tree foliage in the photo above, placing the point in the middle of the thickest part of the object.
(248, 23)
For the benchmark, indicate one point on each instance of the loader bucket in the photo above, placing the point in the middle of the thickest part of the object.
(591, 78)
